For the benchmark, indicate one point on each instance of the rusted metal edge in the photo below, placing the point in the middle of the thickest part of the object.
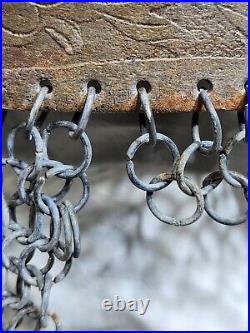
(20, 86)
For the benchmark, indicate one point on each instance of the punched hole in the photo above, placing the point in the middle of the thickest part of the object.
(96, 84)
(144, 84)
(46, 83)
(205, 84)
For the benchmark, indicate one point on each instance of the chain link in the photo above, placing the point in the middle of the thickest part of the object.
(54, 213)
(177, 171)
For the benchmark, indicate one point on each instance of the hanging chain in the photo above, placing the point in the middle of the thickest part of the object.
(177, 171)
(52, 227)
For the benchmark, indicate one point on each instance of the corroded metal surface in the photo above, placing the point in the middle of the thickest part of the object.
(172, 45)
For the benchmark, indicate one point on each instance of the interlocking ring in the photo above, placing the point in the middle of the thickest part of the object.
(212, 181)
(27, 195)
(181, 179)
(36, 276)
(72, 244)
(87, 150)
(39, 148)
(171, 220)
(223, 159)
(39, 196)
(130, 164)
(207, 147)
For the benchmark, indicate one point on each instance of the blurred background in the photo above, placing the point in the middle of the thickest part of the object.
(195, 276)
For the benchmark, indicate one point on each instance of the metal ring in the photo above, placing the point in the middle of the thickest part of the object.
(181, 167)
(37, 141)
(29, 273)
(87, 150)
(38, 195)
(207, 147)
(130, 164)
(221, 219)
(171, 220)
(72, 243)
(65, 253)
(9, 239)
(27, 195)
(75, 228)
(211, 182)
(223, 159)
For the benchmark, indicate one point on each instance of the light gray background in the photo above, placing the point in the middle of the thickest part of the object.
(195, 276)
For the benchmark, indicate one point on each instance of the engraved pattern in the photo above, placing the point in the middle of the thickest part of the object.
(169, 26)
(173, 45)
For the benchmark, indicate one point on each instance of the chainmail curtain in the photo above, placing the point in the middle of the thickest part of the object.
(196, 277)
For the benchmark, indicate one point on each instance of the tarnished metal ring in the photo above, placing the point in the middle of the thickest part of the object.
(75, 228)
(171, 220)
(27, 196)
(211, 182)
(181, 179)
(25, 269)
(8, 240)
(130, 164)
(221, 219)
(223, 159)
(207, 147)
(38, 195)
(65, 253)
(55, 226)
(30, 273)
(24, 194)
(52, 165)
(39, 146)
(72, 243)
(87, 149)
